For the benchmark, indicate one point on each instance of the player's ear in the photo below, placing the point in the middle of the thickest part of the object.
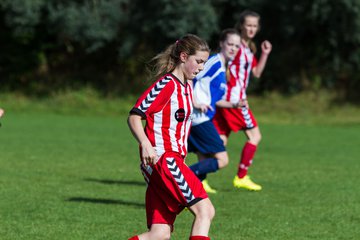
(183, 56)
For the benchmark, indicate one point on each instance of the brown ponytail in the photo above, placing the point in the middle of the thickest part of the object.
(167, 60)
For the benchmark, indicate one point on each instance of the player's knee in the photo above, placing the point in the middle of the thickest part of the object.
(158, 231)
(224, 139)
(207, 212)
(204, 210)
(211, 212)
(161, 236)
(223, 161)
(255, 139)
(166, 236)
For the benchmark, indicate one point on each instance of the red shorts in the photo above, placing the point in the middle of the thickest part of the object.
(233, 119)
(172, 186)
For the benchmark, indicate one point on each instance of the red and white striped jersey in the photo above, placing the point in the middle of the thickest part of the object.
(167, 107)
(240, 70)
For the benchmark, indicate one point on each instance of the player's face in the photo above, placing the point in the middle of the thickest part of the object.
(250, 27)
(195, 63)
(230, 46)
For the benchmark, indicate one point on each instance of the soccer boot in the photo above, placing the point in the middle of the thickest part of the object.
(246, 183)
(207, 187)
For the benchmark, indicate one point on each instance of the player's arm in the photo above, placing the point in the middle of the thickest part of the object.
(266, 48)
(226, 104)
(202, 107)
(148, 152)
(163, 90)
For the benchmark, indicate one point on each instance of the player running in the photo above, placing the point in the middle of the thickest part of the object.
(209, 91)
(229, 120)
(166, 106)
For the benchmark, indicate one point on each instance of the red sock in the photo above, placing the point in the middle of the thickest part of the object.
(134, 238)
(199, 238)
(247, 155)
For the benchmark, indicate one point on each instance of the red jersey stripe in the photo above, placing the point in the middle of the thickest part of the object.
(167, 107)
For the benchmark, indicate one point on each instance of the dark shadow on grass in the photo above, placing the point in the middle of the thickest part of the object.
(105, 201)
(120, 182)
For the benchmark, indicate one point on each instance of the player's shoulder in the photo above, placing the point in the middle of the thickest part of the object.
(166, 80)
(214, 59)
(213, 64)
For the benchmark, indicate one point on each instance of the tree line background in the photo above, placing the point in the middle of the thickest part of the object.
(51, 45)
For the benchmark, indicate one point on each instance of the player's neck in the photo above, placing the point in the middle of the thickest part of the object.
(245, 41)
(179, 75)
(223, 59)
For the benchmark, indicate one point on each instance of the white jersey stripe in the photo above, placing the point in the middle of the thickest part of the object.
(173, 124)
(166, 107)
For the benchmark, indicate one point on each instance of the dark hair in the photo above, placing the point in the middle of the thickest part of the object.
(224, 33)
(243, 15)
(167, 60)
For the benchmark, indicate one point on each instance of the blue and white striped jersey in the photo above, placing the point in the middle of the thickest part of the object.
(209, 87)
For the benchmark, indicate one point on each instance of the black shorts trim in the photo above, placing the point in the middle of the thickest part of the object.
(193, 202)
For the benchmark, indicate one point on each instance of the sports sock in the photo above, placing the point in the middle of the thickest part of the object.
(134, 238)
(199, 238)
(205, 166)
(201, 177)
(247, 155)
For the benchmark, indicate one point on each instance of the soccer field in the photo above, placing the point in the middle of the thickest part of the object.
(77, 177)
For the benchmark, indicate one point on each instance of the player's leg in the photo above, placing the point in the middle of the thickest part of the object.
(186, 190)
(210, 163)
(160, 219)
(253, 135)
(224, 138)
(210, 150)
(204, 212)
(203, 177)
(156, 231)
(242, 180)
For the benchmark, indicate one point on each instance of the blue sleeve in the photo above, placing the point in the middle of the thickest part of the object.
(217, 89)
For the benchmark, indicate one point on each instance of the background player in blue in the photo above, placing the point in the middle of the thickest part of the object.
(209, 89)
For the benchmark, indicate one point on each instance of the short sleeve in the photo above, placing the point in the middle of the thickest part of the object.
(254, 62)
(154, 98)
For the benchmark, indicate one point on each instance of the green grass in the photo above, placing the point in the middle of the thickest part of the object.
(69, 170)
(77, 177)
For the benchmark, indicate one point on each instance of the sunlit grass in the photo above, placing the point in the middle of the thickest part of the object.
(70, 171)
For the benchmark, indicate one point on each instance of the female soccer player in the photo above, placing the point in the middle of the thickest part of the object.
(166, 106)
(209, 90)
(227, 120)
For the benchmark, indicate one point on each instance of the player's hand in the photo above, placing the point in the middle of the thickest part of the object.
(148, 153)
(1, 112)
(203, 107)
(244, 103)
(266, 47)
(241, 104)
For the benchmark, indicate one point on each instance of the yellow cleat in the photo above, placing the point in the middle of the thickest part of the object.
(207, 187)
(246, 183)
